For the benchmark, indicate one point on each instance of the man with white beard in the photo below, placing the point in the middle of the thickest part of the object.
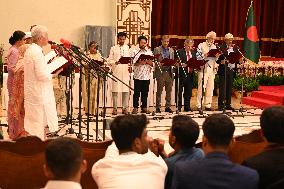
(39, 101)
(209, 71)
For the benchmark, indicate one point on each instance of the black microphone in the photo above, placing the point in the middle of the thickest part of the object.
(52, 43)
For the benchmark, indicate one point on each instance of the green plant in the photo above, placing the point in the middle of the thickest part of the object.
(249, 84)
(270, 80)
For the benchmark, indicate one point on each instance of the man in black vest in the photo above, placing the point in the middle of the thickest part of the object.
(184, 76)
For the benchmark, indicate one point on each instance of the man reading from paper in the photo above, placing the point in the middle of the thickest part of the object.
(39, 101)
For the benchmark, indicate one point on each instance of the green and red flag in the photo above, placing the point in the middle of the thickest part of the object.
(251, 40)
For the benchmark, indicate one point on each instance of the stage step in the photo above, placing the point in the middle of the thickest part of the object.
(269, 95)
(259, 102)
(272, 88)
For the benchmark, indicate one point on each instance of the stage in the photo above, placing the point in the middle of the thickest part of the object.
(159, 125)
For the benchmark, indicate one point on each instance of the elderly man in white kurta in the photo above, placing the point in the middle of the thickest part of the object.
(39, 101)
(209, 71)
(121, 72)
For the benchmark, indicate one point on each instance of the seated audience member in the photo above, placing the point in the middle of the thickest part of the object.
(64, 164)
(128, 163)
(270, 163)
(215, 170)
(183, 135)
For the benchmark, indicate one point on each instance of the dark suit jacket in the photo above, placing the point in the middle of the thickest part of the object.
(269, 164)
(221, 68)
(159, 50)
(214, 171)
(183, 58)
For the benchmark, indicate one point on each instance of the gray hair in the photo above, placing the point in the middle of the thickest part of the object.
(38, 32)
(211, 34)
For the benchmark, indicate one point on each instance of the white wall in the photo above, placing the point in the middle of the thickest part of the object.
(64, 18)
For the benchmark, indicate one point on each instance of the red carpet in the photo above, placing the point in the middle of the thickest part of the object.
(266, 96)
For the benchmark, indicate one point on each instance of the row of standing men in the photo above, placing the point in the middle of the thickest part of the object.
(166, 75)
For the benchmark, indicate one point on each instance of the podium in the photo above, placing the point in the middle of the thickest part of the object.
(195, 64)
(168, 62)
(213, 52)
(125, 60)
(234, 57)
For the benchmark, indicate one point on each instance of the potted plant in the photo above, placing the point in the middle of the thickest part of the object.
(248, 84)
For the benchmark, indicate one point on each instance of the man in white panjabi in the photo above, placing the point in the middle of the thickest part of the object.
(128, 163)
(39, 100)
(209, 71)
(120, 71)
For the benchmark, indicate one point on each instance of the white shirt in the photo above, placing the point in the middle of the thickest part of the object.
(142, 72)
(231, 65)
(119, 70)
(39, 100)
(59, 184)
(204, 48)
(129, 171)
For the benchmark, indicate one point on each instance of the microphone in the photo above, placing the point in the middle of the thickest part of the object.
(174, 47)
(53, 46)
(52, 43)
(67, 44)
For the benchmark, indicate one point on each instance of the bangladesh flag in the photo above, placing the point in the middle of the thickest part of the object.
(251, 41)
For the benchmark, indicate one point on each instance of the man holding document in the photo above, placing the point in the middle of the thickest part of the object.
(39, 100)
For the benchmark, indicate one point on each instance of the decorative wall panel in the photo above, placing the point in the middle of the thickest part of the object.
(134, 18)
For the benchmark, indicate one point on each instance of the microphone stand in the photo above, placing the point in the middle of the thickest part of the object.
(100, 73)
(154, 84)
(80, 136)
(156, 63)
(242, 110)
(178, 80)
(104, 103)
(69, 99)
(69, 91)
(202, 87)
(81, 57)
(71, 130)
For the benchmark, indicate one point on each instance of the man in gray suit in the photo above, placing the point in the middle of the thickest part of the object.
(164, 74)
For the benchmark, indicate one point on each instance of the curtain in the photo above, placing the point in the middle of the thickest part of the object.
(184, 18)
(103, 35)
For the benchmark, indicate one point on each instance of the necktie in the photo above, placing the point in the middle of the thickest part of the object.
(188, 57)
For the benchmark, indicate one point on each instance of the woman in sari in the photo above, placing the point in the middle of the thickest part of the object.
(15, 86)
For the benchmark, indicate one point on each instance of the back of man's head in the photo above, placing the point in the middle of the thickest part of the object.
(126, 128)
(272, 124)
(63, 158)
(219, 130)
(185, 130)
